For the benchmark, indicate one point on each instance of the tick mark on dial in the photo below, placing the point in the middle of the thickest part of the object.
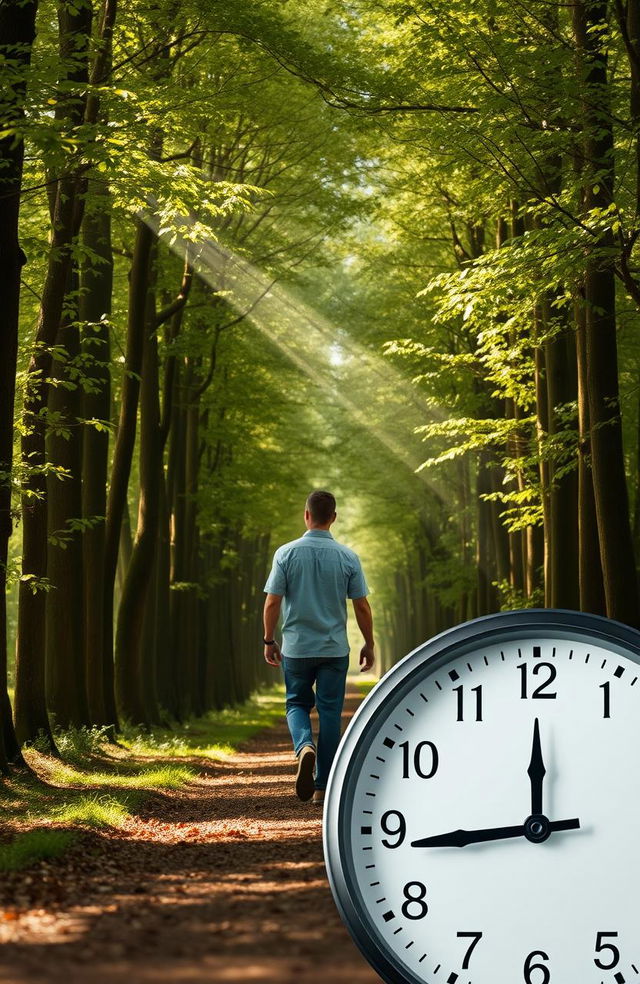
(422, 958)
(587, 658)
(633, 681)
(454, 675)
(409, 945)
(619, 978)
(571, 654)
(470, 667)
(486, 661)
(452, 978)
(369, 812)
(438, 685)
(536, 652)
(366, 830)
(437, 968)
(373, 776)
(388, 916)
(370, 794)
(380, 759)
(425, 699)
(383, 899)
(409, 711)
(373, 884)
(618, 671)
(367, 866)
(604, 663)
(398, 930)
(389, 742)
(502, 656)
(398, 727)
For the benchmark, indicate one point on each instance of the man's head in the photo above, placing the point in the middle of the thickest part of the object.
(320, 509)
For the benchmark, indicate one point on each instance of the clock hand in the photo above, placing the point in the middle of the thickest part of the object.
(536, 772)
(535, 829)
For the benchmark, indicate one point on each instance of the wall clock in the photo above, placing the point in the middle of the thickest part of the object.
(482, 819)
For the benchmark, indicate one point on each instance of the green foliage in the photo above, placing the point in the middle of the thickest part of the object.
(34, 845)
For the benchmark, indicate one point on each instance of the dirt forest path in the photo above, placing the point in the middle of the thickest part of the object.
(224, 881)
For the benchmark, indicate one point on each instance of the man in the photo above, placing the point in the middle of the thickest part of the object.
(314, 575)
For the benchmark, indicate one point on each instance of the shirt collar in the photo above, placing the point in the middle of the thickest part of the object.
(319, 533)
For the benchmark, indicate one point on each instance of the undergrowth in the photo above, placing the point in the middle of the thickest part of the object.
(99, 785)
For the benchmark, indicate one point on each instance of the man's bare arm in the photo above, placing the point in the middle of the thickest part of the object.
(270, 617)
(364, 618)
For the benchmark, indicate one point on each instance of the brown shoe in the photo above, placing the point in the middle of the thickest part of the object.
(318, 797)
(304, 776)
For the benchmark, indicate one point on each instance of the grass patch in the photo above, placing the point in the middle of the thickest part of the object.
(159, 777)
(98, 811)
(32, 846)
(364, 686)
(215, 736)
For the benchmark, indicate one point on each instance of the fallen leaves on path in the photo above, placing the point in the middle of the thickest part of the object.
(221, 881)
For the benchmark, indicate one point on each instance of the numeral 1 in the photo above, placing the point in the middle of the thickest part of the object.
(606, 688)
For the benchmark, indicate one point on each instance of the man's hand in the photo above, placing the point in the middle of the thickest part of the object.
(367, 658)
(362, 611)
(271, 613)
(273, 655)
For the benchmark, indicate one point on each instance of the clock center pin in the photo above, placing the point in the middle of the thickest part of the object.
(537, 828)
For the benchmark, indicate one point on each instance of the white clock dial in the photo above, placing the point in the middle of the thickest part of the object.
(482, 823)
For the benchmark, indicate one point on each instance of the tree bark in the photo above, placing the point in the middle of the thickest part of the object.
(561, 379)
(126, 436)
(609, 480)
(95, 309)
(74, 33)
(17, 33)
(64, 650)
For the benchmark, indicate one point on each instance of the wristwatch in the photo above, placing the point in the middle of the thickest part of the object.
(269, 642)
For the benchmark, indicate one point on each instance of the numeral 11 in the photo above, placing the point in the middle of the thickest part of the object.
(460, 693)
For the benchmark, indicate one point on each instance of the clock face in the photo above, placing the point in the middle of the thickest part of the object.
(482, 823)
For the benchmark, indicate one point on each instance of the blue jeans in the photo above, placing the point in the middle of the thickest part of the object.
(329, 675)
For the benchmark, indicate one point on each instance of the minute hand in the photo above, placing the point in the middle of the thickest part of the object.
(460, 838)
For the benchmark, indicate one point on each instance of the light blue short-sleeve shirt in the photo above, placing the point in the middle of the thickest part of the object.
(315, 575)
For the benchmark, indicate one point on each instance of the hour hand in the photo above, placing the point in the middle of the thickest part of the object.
(460, 838)
(536, 829)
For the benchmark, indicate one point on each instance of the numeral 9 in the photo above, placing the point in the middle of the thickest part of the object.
(399, 830)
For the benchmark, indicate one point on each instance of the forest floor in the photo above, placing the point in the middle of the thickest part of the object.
(222, 880)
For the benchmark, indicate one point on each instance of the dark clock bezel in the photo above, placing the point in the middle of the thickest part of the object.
(500, 629)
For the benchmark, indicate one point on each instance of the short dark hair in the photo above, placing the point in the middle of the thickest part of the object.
(321, 505)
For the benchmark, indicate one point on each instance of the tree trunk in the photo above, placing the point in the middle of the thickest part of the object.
(126, 436)
(561, 378)
(592, 598)
(609, 480)
(95, 309)
(129, 668)
(64, 651)
(31, 719)
(17, 33)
